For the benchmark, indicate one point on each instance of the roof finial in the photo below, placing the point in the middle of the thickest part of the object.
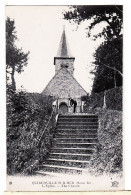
(63, 27)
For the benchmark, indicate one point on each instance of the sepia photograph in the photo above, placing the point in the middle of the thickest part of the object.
(64, 98)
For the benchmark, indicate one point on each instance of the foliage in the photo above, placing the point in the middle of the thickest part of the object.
(16, 59)
(27, 115)
(108, 156)
(108, 56)
(114, 103)
(97, 100)
(108, 61)
(111, 14)
(85, 98)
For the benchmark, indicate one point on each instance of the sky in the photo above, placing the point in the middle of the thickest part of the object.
(39, 30)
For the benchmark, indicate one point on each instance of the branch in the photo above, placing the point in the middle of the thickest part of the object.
(109, 23)
(111, 68)
(119, 9)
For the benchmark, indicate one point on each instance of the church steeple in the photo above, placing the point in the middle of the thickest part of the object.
(64, 57)
(63, 50)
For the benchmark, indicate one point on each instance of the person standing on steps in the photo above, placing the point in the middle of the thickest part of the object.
(73, 103)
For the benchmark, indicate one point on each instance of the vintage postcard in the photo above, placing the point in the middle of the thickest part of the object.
(64, 98)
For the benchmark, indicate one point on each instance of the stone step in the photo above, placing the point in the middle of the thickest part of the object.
(77, 131)
(80, 123)
(46, 173)
(73, 150)
(71, 156)
(65, 135)
(61, 169)
(79, 127)
(78, 120)
(66, 162)
(74, 145)
(75, 140)
(74, 116)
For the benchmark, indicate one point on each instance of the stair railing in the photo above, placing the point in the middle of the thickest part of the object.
(45, 128)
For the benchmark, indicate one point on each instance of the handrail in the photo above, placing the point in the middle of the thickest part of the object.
(45, 128)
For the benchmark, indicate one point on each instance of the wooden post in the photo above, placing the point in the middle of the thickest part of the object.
(104, 103)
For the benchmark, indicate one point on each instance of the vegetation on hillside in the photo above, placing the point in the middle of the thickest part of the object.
(27, 116)
(108, 156)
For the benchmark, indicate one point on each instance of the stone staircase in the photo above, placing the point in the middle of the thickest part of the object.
(74, 142)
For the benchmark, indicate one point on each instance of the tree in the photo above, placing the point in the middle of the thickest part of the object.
(111, 14)
(108, 56)
(108, 61)
(16, 59)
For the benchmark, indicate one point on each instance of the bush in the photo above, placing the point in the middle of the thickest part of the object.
(27, 116)
(108, 155)
(114, 98)
(96, 100)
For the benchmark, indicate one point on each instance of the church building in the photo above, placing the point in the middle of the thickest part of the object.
(63, 85)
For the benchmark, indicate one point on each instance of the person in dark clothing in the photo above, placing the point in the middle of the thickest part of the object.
(73, 103)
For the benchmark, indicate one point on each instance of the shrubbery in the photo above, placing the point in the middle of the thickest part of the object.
(97, 99)
(108, 156)
(27, 115)
(114, 98)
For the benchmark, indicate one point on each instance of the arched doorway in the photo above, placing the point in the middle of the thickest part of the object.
(63, 108)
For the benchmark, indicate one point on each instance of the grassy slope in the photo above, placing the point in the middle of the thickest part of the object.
(108, 156)
(27, 116)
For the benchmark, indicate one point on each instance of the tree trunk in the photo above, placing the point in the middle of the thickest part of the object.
(13, 79)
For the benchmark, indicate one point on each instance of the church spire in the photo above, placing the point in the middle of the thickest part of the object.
(63, 50)
(64, 57)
